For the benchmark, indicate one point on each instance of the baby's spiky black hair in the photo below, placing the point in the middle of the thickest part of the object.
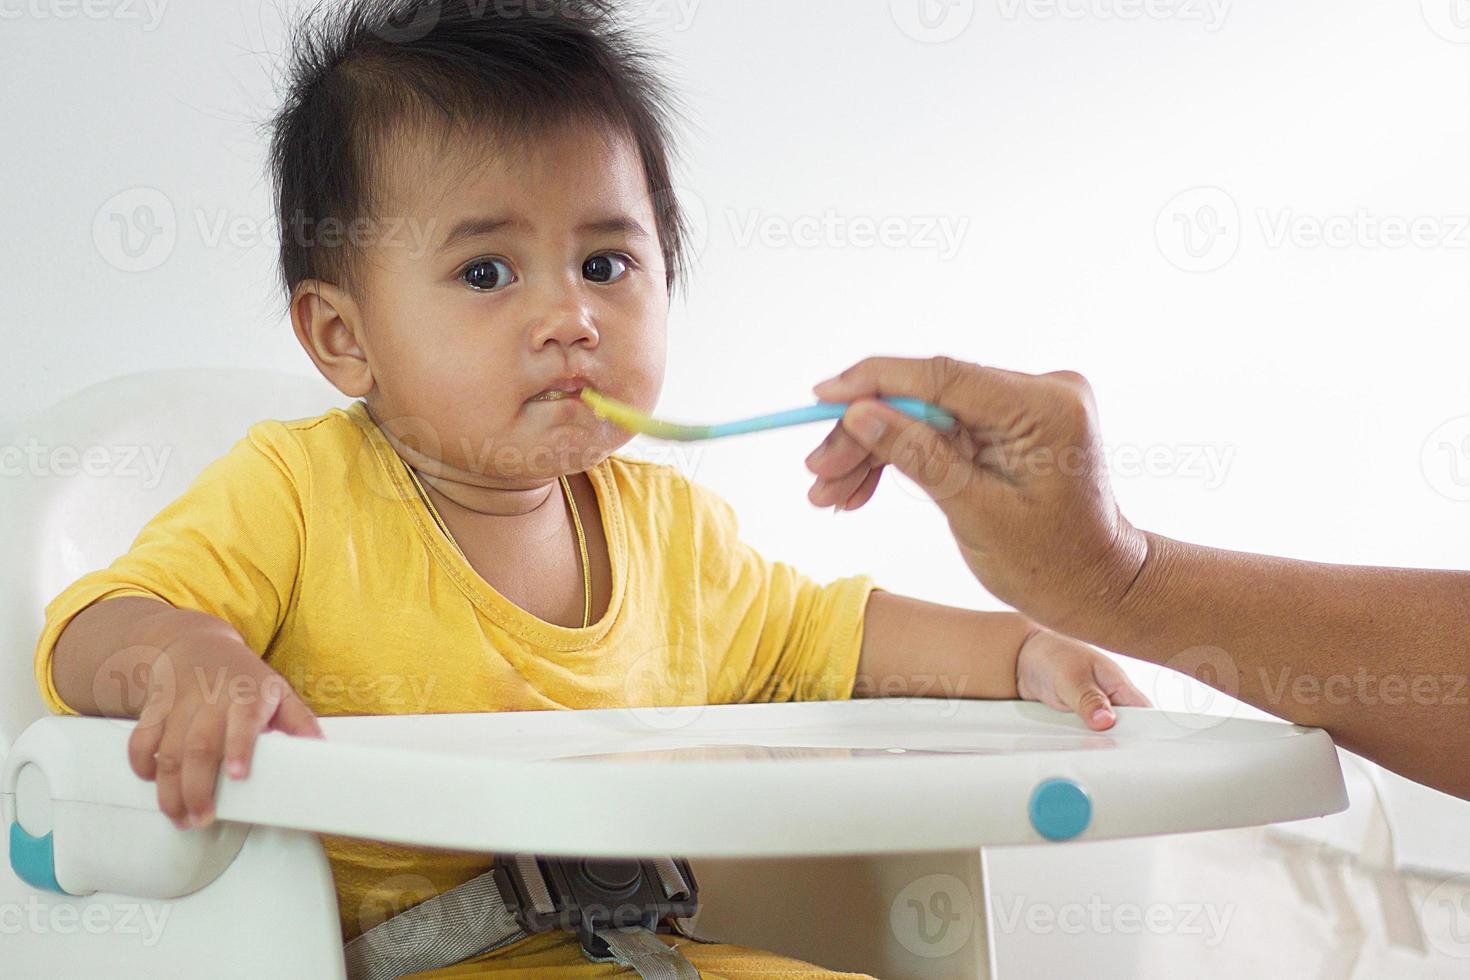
(364, 72)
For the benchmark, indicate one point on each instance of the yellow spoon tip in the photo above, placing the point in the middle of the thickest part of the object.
(633, 420)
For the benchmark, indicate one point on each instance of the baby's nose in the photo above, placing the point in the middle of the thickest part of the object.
(566, 324)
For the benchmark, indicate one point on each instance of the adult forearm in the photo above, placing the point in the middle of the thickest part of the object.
(1379, 657)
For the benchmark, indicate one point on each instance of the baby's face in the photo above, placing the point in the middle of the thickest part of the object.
(534, 267)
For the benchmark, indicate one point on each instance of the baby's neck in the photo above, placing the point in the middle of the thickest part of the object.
(492, 502)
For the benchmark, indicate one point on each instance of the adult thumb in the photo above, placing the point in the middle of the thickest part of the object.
(916, 449)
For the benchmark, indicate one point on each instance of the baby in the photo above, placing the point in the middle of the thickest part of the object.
(476, 222)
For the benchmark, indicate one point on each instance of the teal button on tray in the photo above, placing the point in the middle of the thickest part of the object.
(33, 859)
(1060, 809)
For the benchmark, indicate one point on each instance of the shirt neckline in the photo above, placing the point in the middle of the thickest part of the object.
(482, 593)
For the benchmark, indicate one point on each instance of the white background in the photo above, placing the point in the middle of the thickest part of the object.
(1066, 141)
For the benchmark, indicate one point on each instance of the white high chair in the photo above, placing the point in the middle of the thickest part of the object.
(846, 833)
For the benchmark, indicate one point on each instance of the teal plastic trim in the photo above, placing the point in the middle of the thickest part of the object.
(1060, 809)
(33, 859)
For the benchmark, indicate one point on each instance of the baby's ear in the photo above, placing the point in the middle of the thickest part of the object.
(329, 325)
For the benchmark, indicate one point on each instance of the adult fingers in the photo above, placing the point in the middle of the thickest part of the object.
(982, 398)
(921, 452)
(864, 492)
(836, 492)
(838, 454)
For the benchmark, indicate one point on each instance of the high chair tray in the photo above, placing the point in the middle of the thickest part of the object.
(806, 778)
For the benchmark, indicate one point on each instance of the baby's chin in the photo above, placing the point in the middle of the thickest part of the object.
(548, 454)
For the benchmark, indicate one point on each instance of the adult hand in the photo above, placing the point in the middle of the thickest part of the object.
(1023, 482)
(1021, 476)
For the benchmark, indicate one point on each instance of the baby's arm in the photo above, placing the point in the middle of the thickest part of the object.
(913, 648)
(199, 692)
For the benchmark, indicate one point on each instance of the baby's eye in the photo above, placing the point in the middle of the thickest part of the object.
(488, 275)
(607, 267)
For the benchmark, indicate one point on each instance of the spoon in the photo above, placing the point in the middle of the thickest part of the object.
(630, 418)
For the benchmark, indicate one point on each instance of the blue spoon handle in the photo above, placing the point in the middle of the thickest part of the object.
(915, 407)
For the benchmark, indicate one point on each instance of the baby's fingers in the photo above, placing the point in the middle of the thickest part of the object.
(241, 728)
(294, 718)
(203, 747)
(1080, 691)
(169, 764)
(147, 734)
(278, 708)
(1117, 686)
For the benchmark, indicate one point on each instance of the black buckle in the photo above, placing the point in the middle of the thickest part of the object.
(588, 894)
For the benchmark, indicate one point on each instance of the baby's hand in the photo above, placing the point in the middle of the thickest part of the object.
(1071, 676)
(209, 696)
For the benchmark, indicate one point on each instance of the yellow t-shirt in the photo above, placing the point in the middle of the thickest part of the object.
(310, 539)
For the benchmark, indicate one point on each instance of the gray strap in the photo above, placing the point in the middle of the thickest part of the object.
(674, 885)
(530, 873)
(683, 928)
(472, 918)
(641, 949)
(452, 926)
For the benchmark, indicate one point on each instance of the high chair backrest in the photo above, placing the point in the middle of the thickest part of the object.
(81, 478)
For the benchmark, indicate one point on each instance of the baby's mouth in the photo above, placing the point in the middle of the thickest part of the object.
(551, 396)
